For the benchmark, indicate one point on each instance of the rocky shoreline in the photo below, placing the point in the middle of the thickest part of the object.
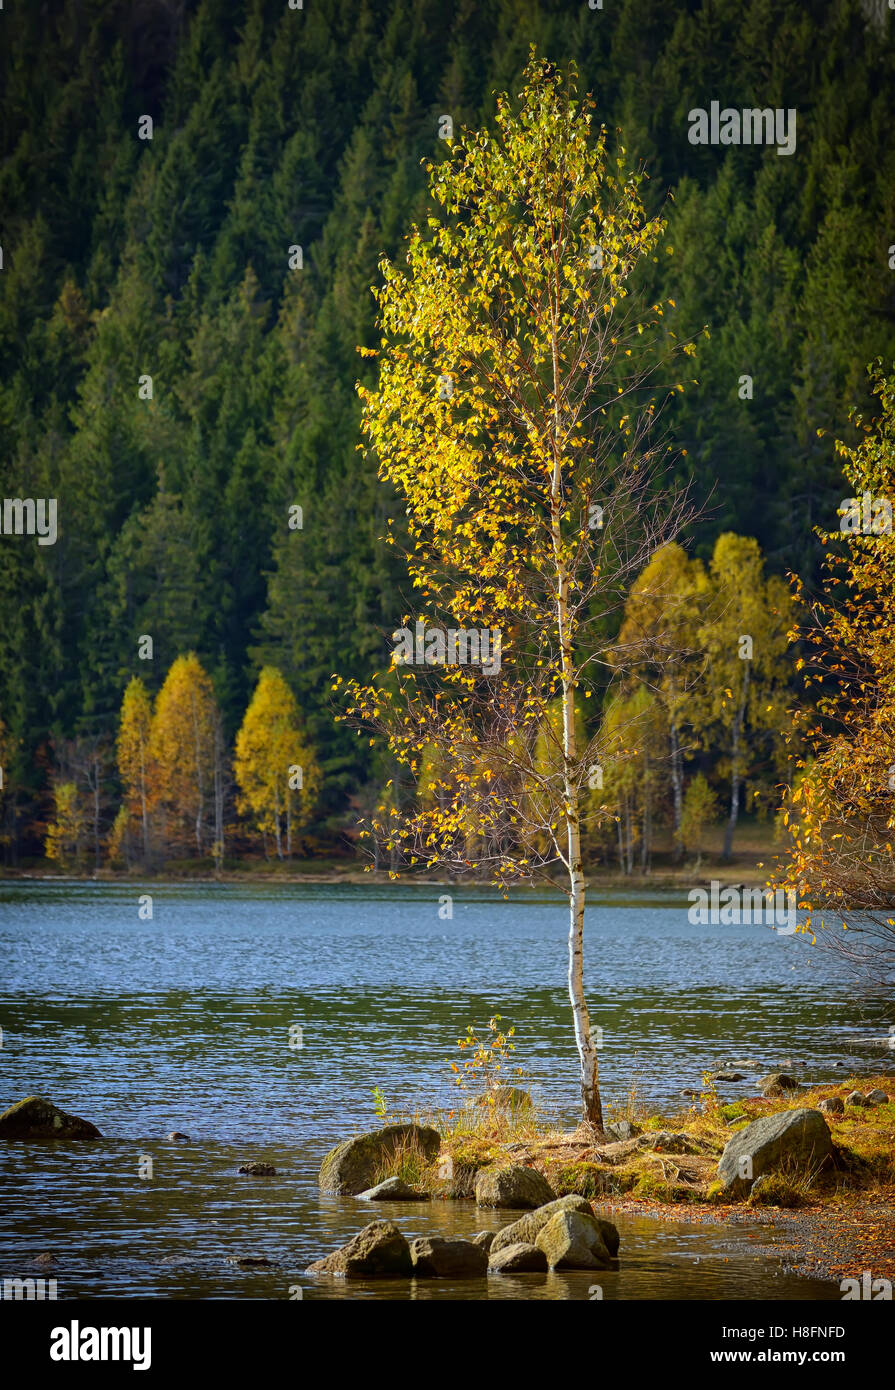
(816, 1161)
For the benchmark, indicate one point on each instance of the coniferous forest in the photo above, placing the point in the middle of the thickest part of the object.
(194, 199)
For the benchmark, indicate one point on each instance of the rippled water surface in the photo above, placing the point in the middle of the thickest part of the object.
(183, 1022)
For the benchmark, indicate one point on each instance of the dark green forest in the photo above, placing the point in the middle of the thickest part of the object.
(179, 315)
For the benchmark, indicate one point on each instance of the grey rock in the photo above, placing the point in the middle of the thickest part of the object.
(515, 1186)
(876, 1097)
(393, 1190)
(832, 1105)
(622, 1129)
(797, 1136)
(442, 1257)
(519, 1259)
(572, 1240)
(353, 1166)
(484, 1238)
(526, 1230)
(378, 1251)
(855, 1098)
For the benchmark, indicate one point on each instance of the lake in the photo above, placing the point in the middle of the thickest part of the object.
(183, 1022)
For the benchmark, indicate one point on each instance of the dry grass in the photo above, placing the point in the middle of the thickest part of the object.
(475, 1136)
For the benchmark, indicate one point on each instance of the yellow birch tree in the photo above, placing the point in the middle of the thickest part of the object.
(513, 415)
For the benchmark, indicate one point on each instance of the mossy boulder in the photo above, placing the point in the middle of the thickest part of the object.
(516, 1186)
(799, 1138)
(525, 1231)
(355, 1165)
(378, 1251)
(36, 1118)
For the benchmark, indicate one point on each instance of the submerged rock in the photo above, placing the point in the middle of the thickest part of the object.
(393, 1190)
(728, 1076)
(376, 1252)
(353, 1166)
(800, 1137)
(445, 1257)
(515, 1186)
(36, 1118)
(178, 1134)
(252, 1262)
(257, 1170)
(519, 1259)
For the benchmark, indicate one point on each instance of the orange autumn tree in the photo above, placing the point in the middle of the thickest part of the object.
(512, 415)
(275, 767)
(840, 813)
(185, 748)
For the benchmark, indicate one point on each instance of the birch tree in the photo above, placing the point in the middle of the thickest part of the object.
(513, 415)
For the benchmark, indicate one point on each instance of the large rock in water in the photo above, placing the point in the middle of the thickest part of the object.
(572, 1240)
(526, 1230)
(353, 1166)
(516, 1186)
(35, 1118)
(442, 1257)
(376, 1252)
(800, 1137)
